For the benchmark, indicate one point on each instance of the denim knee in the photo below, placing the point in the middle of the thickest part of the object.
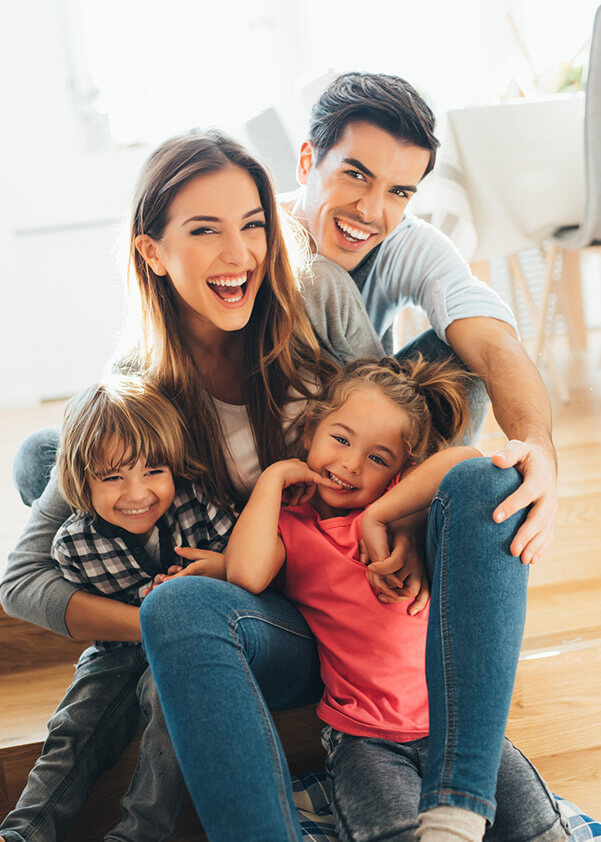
(34, 461)
(478, 484)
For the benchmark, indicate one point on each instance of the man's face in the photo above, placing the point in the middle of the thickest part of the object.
(358, 192)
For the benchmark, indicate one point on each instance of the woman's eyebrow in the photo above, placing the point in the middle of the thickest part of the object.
(202, 218)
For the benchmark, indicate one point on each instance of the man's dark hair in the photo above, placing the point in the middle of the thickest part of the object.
(388, 102)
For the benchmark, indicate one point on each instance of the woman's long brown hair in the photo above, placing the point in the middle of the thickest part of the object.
(280, 349)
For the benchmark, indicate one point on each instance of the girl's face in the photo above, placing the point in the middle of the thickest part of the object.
(133, 497)
(359, 446)
(213, 248)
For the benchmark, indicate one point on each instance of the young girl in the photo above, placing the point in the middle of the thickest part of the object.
(122, 468)
(373, 424)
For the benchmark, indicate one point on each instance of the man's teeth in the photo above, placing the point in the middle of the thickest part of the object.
(340, 483)
(355, 233)
(136, 511)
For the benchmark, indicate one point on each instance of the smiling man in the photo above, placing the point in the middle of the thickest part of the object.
(371, 141)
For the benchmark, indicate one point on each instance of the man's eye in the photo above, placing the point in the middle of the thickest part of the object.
(398, 191)
(340, 440)
(358, 176)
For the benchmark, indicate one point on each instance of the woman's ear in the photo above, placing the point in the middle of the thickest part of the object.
(149, 250)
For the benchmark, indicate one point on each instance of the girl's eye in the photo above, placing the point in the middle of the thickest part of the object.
(340, 440)
(154, 471)
(112, 478)
(378, 460)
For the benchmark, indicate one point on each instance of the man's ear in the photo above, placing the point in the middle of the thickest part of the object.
(305, 161)
(149, 250)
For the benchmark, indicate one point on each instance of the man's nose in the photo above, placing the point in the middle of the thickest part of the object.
(370, 205)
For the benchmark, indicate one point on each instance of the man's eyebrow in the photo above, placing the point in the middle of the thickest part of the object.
(376, 446)
(201, 218)
(354, 162)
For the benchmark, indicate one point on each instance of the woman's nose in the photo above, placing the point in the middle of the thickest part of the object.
(234, 250)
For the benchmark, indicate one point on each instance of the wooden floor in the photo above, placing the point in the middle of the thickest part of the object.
(556, 710)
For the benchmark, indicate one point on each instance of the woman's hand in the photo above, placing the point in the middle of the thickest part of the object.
(202, 563)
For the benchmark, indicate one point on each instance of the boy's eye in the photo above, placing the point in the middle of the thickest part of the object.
(340, 439)
(111, 478)
(153, 471)
(378, 460)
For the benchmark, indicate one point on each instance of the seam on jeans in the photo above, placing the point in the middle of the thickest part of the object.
(266, 719)
(69, 777)
(264, 618)
(447, 766)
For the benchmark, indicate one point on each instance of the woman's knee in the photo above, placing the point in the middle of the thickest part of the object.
(479, 482)
(34, 461)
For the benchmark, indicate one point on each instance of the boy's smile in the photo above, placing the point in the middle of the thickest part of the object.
(133, 497)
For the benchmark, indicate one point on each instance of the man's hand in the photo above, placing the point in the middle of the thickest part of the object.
(538, 490)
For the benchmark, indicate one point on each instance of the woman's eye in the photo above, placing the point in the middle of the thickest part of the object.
(198, 232)
(256, 223)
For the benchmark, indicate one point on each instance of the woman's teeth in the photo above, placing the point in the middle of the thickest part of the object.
(229, 289)
(339, 482)
(354, 233)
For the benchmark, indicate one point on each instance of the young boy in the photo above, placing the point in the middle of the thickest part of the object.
(122, 468)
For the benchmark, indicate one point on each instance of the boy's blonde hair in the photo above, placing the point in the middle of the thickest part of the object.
(141, 420)
(434, 395)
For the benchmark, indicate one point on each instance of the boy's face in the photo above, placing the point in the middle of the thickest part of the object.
(361, 447)
(358, 192)
(133, 497)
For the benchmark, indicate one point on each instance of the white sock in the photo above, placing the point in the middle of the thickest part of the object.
(448, 824)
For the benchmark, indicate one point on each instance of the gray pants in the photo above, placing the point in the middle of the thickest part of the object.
(111, 698)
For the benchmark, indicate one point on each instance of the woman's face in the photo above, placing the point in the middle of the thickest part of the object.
(214, 247)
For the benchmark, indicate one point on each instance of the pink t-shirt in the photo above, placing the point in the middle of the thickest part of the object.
(372, 655)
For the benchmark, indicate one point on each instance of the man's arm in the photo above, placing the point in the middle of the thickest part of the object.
(491, 349)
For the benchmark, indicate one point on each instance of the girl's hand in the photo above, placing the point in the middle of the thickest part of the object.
(396, 574)
(296, 479)
(202, 563)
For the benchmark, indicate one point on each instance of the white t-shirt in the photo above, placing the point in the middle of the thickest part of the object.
(241, 458)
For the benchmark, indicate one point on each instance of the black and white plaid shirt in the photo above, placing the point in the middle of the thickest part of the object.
(109, 561)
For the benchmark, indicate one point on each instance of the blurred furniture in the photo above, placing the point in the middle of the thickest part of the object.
(507, 176)
(568, 240)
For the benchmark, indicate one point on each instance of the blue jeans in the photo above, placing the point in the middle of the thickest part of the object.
(222, 657)
(112, 697)
(376, 786)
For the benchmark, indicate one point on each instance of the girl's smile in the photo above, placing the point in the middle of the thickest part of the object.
(360, 446)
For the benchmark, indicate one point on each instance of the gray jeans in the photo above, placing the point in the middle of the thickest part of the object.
(376, 787)
(112, 696)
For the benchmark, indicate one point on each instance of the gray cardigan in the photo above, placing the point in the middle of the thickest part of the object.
(33, 588)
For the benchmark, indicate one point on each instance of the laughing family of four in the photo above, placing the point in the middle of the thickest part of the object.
(259, 507)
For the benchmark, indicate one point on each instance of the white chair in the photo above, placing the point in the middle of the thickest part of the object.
(569, 241)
